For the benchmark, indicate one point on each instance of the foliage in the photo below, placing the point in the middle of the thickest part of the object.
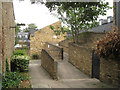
(25, 48)
(16, 40)
(35, 56)
(7, 65)
(12, 80)
(19, 52)
(109, 45)
(30, 26)
(78, 15)
(19, 63)
(57, 30)
(17, 28)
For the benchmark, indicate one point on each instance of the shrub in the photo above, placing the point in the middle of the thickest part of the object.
(25, 48)
(13, 79)
(109, 45)
(19, 52)
(20, 63)
(35, 56)
(7, 65)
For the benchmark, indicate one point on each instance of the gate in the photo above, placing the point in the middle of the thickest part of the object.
(95, 65)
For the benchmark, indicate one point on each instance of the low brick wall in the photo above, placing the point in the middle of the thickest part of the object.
(81, 57)
(49, 64)
(64, 45)
(110, 71)
(55, 51)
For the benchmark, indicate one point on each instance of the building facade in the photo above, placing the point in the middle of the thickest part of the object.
(7, 33)
(23, 39)
(39, 37)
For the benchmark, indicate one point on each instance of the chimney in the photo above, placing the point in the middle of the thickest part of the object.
(109, 19)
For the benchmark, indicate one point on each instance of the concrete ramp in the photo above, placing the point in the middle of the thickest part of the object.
(69, 77)
(67, 71)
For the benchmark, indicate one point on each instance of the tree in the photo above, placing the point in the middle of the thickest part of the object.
(17, 28)
(78, 15)
(30, 26)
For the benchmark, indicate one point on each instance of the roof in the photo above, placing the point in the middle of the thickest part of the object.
(102, 28)
(32, 31)
(23, 38)
(23, 33)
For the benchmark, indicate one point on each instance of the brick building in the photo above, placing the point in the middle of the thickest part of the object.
(7, 33)
(39, 37)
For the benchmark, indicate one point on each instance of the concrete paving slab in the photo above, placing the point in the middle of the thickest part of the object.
(69, 77)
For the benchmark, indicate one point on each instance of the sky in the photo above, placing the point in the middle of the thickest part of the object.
(27, 13)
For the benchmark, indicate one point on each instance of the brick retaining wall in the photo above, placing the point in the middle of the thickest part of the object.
(110, 71)
(64, 45)
(49, 64)
(81, 57)
(54, 51)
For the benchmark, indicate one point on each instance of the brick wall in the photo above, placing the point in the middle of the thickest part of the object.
(49, 64)
(64, 44)
(55, 51)
(7, 33)
(81, 55)
(110, 71)
(37, 42)
(0, 37)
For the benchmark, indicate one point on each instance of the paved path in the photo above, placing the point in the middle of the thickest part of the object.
(69, 77)
(67, 71)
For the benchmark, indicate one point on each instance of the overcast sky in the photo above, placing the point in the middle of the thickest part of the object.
(27, 13)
